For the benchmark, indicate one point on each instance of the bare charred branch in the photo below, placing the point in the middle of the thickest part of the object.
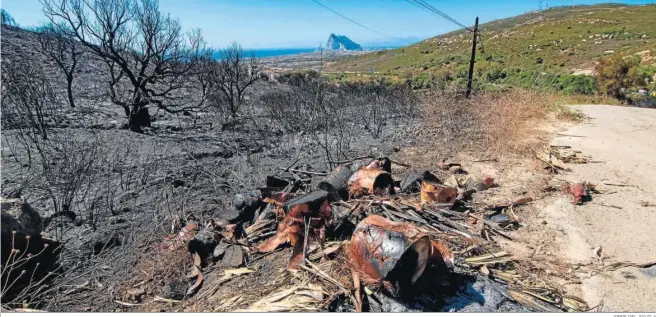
(150, 60)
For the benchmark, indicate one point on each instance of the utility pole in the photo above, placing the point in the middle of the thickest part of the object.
(471, 62)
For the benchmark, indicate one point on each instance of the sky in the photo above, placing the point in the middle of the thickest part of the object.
(259, 24)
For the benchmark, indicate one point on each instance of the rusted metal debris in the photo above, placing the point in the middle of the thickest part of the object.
(437, 193)
(179, 240)
(381, 252)
(313, 210)
(579, 191)
(412, 181)
(197, 273)
(391, 252)
(370, 180)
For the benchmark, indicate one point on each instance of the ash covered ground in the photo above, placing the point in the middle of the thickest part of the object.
(139, 188)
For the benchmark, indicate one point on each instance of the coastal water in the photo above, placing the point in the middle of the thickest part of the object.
(260, 53)
(271, 52)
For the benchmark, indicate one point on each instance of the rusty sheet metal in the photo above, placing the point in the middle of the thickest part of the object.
(379, 245)
(278, 199)
(227, 230)
(197, 273)
(179, 240)
(370, 181)
(316, 210)
(440, 252)
(579, 192)
(485, 184)
(436, 193)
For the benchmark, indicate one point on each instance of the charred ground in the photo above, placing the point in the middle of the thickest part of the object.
(110, 195)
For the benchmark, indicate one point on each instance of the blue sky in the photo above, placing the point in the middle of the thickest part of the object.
(303, 23)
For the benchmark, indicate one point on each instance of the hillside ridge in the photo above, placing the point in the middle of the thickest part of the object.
(560, 40)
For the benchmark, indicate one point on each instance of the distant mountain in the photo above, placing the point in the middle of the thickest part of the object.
(341, 43)
(404, 41)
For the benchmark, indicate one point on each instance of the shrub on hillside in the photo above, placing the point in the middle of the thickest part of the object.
(577, 85)
(648, 72)
(616, 74)
(495, 74)
(645, 101)
(298, 78)
(532, 79)
(421, 80)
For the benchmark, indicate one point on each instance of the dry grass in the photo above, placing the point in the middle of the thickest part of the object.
(511, 120)
(596, 99)
(491, 123)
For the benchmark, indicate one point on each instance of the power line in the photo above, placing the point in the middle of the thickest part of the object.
(414, 4)
(442, 14)
(429, 7)
(354, 22)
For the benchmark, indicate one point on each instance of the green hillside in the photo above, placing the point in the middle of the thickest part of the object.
(533, 47)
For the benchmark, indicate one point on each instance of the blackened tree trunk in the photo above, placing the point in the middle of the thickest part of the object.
(69, 90)
(138, 118)
(59, 46)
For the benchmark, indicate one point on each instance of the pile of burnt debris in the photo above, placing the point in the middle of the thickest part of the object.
(369, 242)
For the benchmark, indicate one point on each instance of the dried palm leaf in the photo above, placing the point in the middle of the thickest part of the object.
(230, 302)
(508, 276)
(499, 257)
(575, 304)
(297, 298)
(531, 302)
(330, 248)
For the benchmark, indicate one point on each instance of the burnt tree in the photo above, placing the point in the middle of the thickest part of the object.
(150, 60)
(62, 49)
(229, 78)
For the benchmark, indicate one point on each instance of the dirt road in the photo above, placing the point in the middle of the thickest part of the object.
(622, 219)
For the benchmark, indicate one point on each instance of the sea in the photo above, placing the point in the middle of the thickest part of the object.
(272, 52)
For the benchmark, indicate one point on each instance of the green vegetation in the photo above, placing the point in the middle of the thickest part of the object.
(615, 74)
(540, 50)
(577, 85)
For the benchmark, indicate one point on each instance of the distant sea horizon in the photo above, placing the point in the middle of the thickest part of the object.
(273, 52)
